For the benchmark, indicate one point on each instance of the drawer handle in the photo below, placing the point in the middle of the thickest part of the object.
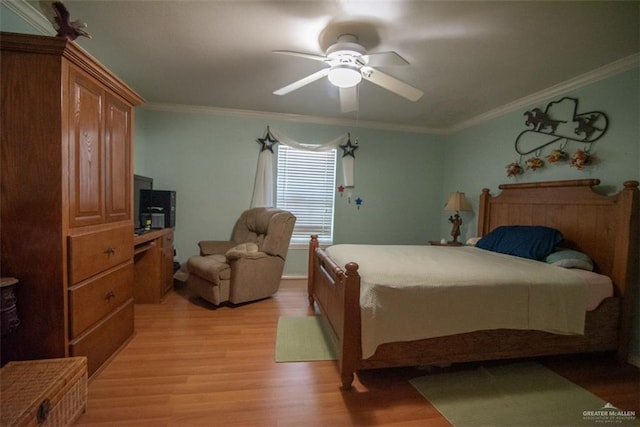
(110, 251)
(110, 295)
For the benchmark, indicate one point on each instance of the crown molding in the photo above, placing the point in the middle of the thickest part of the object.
(609, 70)
(30, 15)
(617, 67)
(298, 118)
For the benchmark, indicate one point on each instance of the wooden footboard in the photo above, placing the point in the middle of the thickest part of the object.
(570, 206)
(336, 291)
(601, 334)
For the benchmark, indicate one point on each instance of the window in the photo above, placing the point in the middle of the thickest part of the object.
(305, 187)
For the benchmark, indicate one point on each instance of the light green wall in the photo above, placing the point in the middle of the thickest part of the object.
(139, 143)
(476, 157)
(12, 23)
(210, 161)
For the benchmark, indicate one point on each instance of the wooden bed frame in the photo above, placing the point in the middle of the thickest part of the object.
(605, 227)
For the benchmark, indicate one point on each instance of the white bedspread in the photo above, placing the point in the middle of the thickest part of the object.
(416, 292)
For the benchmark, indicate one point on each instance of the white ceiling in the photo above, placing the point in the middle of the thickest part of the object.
(468, 57)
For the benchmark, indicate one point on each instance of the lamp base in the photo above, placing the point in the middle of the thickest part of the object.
(455, 230)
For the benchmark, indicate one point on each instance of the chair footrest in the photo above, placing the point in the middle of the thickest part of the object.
(211, 267)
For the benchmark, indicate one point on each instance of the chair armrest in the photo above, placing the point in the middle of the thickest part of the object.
(247, 250)
(215, 247)
(234, 255)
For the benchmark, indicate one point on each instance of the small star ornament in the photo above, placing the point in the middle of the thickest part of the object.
(267, 142)
(348, 149)
(358, 202)
(341, 189)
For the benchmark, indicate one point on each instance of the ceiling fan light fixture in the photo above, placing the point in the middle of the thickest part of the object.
(344, 75)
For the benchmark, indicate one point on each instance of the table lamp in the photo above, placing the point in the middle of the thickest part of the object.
(457, 202)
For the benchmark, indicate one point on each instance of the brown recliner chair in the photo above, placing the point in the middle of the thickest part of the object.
(249, 266)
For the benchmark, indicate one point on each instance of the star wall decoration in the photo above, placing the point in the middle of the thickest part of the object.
(267, 142)
(348, 149)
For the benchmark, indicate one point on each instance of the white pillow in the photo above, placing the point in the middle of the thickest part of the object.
(472, 241)
(569, 258)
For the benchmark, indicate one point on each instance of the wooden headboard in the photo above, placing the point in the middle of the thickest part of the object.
(604, 227)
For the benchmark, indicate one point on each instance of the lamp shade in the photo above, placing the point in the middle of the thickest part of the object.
(457, 202)
(344, 75)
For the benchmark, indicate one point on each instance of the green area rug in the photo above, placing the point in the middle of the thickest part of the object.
(301, 339)
(522, 394)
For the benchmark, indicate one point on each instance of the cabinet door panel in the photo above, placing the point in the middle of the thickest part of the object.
(118, 160)
(86, 151)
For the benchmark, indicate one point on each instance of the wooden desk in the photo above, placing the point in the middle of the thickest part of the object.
(153, 265)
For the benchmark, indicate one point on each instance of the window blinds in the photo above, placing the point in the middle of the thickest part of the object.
(306, 187)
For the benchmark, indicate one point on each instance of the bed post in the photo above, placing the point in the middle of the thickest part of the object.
(625, 268)
(483, 213)
(313, 245)
(351, 347)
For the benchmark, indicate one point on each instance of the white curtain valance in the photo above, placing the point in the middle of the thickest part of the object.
(284, 139)
(263, 188)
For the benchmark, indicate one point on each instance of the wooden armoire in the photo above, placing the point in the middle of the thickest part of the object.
(66, 208)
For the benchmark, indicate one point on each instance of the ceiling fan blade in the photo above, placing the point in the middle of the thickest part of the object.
(302, 82)
(349, 99)
(301, 55)
(391, 83)
(384, 59)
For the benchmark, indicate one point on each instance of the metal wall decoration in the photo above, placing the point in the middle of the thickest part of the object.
(560, 123)
(348, 161)
(349, 149)
(267, 142)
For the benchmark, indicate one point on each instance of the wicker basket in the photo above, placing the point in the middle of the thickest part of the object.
(51, 392)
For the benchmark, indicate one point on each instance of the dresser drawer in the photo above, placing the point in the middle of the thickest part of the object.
(94, 252)
(93, 299)
(103, 339)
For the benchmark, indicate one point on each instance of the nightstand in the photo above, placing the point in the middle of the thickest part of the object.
(438, 243)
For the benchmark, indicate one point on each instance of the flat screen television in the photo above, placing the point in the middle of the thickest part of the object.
(139, 183)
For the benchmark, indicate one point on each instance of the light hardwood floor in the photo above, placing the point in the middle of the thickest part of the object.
(190, 363)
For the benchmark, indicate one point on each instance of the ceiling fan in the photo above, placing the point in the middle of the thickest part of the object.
(348, 63)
